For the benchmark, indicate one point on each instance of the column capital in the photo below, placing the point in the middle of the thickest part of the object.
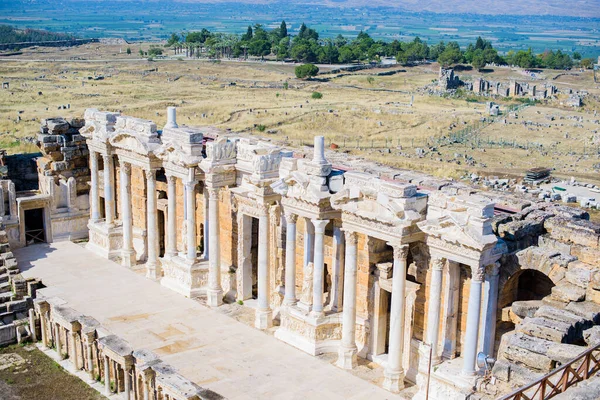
(106, 157)
(493, 269)
(320, 225)
(213, 193)
(150, 174)
(190, 185)
(351, 238)
(125, 167)
(478, 274)
(437, 263)
(291, 218)
(171, 179)
(400, 250)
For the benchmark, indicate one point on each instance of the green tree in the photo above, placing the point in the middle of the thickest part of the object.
(306, 71)
(283, 30)
(576, 56)
(478, 61)
(128, 50)
(248, 35)
(173, 39)
(451, 54)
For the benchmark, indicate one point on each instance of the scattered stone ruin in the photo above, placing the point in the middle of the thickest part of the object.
(343, 257)
(16, 298)
(447, 80)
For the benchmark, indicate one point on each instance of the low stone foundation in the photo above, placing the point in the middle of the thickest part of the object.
(182, 276)
(309, 334)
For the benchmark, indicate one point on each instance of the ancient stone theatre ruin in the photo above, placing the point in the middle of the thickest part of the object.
(414, 273)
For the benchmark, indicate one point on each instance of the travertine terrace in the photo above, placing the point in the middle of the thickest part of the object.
(413, 273)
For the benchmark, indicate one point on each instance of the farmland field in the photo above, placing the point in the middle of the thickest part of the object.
(157, 20)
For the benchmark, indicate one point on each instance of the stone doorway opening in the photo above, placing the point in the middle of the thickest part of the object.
(524, 285)
(254, 258)
(34, 226)
(161, 233)
(381, 333)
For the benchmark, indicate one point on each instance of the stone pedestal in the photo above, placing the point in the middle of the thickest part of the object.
(446, 381)
(184, 276)
(105, 240)
(309, 334)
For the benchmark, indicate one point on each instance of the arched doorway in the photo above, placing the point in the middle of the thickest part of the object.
(524, 285)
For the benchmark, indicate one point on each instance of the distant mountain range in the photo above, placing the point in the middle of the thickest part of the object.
(575, 8)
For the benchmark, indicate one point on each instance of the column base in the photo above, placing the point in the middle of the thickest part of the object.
(184, 276)
(347, 357)
(128, 258)
(153, 271)
(263, 319)
(447, 382)
(105, 240)
(311, 335)
(214, 297)
(289, 302)
(393, 381)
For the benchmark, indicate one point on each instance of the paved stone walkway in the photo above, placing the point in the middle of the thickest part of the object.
(205, 346)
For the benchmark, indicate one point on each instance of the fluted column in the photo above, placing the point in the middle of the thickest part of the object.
(94, 196)
(319, 267)
(153, 269)
(109, 197)
(190, 195)
(264, 315)
(172, 216)
(394, 373)
(337, 279)
(146, 385)
(58, 341)
(348, 349)
(43, 328)
(214, 291)
(32, 324)
(473, 313)
(290, 259)
(127, 253)
(106, 376)
(435, 304)
(490, 305)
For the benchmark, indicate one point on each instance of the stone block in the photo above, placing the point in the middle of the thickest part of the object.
(592, 335)
(517, 230)
(560, 315)
(592, 295)
(586, 254)
(543, 328)
(579, 273)
(567, 292)
(586, 390)
(586, 309)
(516, 374)
(526, 308)
(576, 231)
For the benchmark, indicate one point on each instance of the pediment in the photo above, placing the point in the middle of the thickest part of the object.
(129, 142)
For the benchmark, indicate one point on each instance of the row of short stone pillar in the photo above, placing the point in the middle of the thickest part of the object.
(107, 358)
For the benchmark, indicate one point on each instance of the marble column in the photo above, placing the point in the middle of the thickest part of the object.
(487, 334)
(206, 227)
(348, 349)
(172, 216)
(319, 267)
(74, 351)
(309, 242)
(264, 315)
(32, 324)
(90, 356)
(146, 385)
(127, 378)
(473, 313)
(394, 374)
(109, 197)
(290, 259)
(153, 269)
(127, 253)
(43, 328)
(106, 376)
(214, 291)
(58, 341)
(94, 196)
(450, 310)
(337, 280)
(190, 203)
(434, 309)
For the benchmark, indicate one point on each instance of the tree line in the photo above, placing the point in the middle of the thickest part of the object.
(308, 47)
(9, 35)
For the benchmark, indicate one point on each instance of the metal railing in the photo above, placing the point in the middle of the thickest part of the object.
(558, 381)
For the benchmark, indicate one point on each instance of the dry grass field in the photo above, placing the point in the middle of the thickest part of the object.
(363, 113)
